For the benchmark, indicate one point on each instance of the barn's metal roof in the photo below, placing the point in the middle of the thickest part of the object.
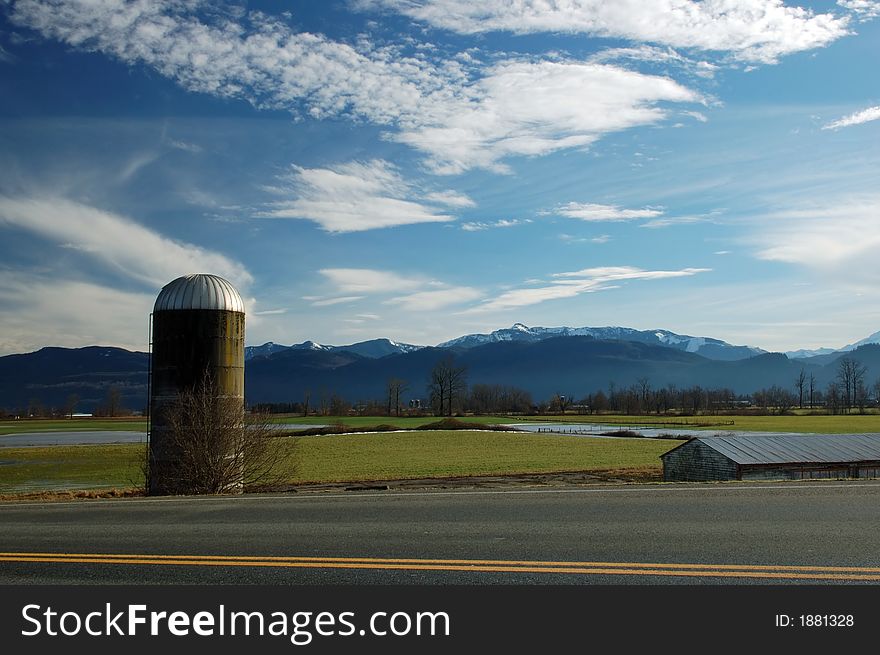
(791, 449)
(199, 291)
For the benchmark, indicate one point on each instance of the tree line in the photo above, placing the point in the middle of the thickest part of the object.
(447, 393)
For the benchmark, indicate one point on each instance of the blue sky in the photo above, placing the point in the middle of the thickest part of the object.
(423, 169)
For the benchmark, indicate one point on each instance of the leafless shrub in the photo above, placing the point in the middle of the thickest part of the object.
(210, 445)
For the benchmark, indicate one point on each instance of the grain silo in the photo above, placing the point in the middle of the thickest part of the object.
(197, 333)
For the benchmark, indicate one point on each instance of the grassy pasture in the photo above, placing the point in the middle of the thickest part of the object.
(805, 423)
(809, 424)
(343, 458)
(104, 466)
(71, 425)
(407, 422)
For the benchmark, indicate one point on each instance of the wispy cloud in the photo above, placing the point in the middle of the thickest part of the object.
(407, 291)
(5, 56)
(479, 226)
(41, 310)
(328, 302)
(575, 283)
(368, 280)
(535, 108)
(129, 249)
(570, 238)
(840, 237)
(670, 221)
(353, 197)
(857, 118)
(654, 55)
(593, 212)
(450, 199)
(750, 30)
(458, 113)
(436, 299)
(863, 9)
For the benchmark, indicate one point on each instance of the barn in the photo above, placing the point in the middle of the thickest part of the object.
(774, 457)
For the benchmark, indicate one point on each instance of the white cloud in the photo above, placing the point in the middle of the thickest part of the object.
(864, 9)
(575, 283)
(842, 238)
(535, 108)
(857, 118)
(367, 280)
(750, 30)
(479, 226)
(39, 311)
(655, 55)
(127, 248)
(5, 56)
(450, 199)
(409, 292)
(459, 115)
(570, 238)
(353, 197)
(438, 299)
(327, 302)
(669, 221)
(593, 212)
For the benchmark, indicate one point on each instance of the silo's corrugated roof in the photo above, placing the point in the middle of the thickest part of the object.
(792, 449)
(200, 291)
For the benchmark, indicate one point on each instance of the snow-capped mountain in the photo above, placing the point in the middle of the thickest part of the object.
(267, 348)
(705, 346)
(804, 353)
(801, 354)
(372, 349)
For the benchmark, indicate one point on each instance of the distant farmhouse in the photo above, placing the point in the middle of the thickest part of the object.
(774, 457)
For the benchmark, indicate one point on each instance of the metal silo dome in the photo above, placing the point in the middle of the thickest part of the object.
(200, 291)
(197, 334)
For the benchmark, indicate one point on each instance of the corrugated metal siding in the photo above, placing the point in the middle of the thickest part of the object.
(199, 291)
(785, 449)
(694, 461)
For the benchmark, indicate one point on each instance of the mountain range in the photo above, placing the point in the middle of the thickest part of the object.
(543, 361)
(376, 348)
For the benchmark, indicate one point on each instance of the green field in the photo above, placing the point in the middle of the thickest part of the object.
(407, 422)
(805, 423)
(71, 467)
(343, 458)
(850, 423)
(71, 425)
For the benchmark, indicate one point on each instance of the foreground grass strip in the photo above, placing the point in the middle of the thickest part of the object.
(791, 572)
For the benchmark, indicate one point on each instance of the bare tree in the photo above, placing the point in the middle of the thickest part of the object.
(800, 384)
(812, 388)
(396, 389)
(850, 375)
(447, 384)
(212, 446)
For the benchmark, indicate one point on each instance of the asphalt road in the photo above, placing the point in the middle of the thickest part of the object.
(735, 533)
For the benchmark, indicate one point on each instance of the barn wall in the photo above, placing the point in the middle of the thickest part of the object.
(695, 462)
(799, 472)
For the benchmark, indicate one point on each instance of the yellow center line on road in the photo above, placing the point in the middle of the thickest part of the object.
(870, 574)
